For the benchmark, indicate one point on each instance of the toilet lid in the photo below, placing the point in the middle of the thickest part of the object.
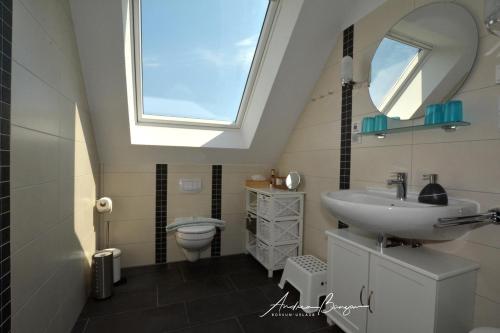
(197, 229)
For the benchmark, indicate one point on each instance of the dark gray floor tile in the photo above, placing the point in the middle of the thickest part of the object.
(156, 320)
(212, 302)
(226, 305)
(169, 293)
(289, 322)
(149, 281)
(224, 326)
(159, 268)
(119, 303)
(275, 293)
(330, 329)
(219, 266)
(231, 258)
(79, 326)
(256, 277)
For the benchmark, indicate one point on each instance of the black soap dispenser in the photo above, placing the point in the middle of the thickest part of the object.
(433, 193)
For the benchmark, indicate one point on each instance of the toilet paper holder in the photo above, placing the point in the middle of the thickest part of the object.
(105, 205)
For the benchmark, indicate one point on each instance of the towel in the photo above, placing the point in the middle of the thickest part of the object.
(195, 220)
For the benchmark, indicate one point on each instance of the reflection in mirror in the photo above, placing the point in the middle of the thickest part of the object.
(423, 60)
(393, 63)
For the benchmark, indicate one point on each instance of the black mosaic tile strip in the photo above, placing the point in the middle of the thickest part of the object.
(348, 41)
(346, 121)
(216, 206)
(5, 95)
(161, 214)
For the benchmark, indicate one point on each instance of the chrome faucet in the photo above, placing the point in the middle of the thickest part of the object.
(401, 181)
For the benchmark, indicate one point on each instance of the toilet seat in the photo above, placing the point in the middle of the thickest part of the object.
(196, 229)
(196, 232)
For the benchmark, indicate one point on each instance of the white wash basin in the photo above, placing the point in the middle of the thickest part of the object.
(379, 211)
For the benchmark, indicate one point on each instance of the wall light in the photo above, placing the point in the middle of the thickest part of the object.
(346, 72)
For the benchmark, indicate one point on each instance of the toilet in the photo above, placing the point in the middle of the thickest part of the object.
(485, 330)
(194, 239)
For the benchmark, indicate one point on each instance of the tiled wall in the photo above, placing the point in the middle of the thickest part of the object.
(346, 119)
(216, 203)
(346, 116)
(466, 160)
(5, 117)
(54, 171)
(132, 189)
(314, 149)
(161, 206)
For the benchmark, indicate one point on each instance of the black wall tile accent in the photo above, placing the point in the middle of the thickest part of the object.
(216, 206)
(5, 93)
(346, 120)
(161, 214)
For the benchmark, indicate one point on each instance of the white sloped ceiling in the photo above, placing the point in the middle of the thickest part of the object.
(99, 33)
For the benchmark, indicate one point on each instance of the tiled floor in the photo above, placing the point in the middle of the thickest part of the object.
(225, 294)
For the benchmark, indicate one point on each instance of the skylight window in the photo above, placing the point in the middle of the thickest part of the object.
(196, 60)
(393, 66)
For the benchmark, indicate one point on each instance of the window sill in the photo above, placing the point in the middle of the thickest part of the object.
(155, 135)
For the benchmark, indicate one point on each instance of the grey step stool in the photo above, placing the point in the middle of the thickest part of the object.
(307, 274)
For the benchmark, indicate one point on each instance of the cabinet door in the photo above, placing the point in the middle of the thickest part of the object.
(348, 282)
(401, 300)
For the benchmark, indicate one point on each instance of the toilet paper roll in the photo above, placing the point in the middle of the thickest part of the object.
(104, 205)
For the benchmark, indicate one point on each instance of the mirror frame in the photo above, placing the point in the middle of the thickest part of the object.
(457, 86)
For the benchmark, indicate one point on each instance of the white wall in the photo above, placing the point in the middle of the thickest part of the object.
(313, 149)
(132, 189)
(54, 171)
(467, 160)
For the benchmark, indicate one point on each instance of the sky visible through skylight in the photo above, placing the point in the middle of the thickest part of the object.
(388, 64)
(197, 54)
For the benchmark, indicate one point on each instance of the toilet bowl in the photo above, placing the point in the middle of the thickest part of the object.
(485, 330)
(194, 239)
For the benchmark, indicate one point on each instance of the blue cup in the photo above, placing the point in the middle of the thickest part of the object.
(434, 114)
(453, 111)
(368, 124)
(380, 122)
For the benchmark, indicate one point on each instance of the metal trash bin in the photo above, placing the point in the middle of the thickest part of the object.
(102, 274)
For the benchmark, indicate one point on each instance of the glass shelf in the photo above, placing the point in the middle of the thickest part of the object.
(450, 126)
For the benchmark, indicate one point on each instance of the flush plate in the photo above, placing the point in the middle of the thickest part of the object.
(192, 185)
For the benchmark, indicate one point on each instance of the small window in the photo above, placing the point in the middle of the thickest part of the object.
(393, 65)
(196, 60)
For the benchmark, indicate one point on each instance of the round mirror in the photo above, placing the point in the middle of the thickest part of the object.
(423, 60)
(292, 180)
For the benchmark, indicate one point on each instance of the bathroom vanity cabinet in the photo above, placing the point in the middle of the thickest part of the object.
(274, 226)
(404, 289)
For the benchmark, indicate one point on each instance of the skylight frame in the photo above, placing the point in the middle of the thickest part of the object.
(259, 55)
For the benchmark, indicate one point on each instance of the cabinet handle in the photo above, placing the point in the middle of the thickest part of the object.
(361, 295)
(370, 302)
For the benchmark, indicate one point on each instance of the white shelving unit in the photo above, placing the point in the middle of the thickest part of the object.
(274, 226)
